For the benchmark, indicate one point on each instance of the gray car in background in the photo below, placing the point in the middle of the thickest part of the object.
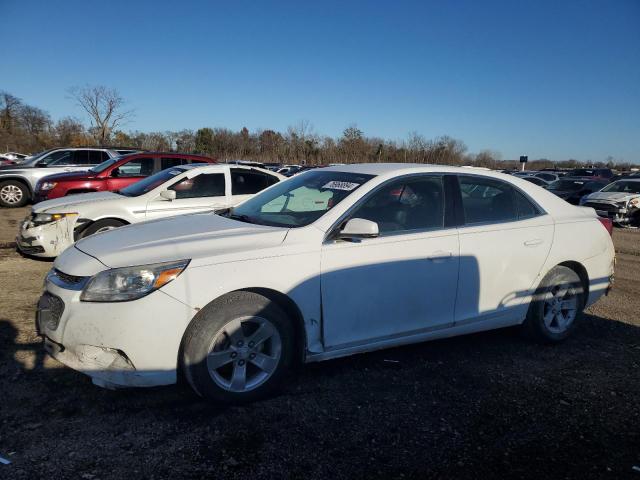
(17, 182)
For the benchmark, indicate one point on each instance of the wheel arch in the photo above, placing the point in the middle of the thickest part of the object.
(293, 312)
(85, 223)
(581, 271)
(283, 301)
(22, 180)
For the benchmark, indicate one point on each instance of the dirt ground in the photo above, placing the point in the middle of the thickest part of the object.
(481, 406)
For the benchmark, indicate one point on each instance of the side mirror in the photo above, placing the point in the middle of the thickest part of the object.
(168, 195)
(359, 228)
(115, 172)
(41, 164)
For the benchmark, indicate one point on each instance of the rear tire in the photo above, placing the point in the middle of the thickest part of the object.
(556, 307)
(238, 348)
(101, 226)
(13, 194)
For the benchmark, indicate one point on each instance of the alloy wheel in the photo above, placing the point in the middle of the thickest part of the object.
(560, 308)
(244, 354)
(11, 194)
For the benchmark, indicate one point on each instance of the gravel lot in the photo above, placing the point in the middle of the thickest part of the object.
(484, 405)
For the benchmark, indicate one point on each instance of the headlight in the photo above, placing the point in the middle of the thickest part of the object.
(47, 186)
(131, 283)
(44, 218)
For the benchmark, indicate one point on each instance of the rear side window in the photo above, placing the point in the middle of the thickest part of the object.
(485, 200)
(80, 157)
(204, 185)
(138, 167)
(247, 182)
(526, 209)
(96, 157)
(167, 162)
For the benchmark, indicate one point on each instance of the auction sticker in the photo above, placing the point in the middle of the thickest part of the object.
(337, 185)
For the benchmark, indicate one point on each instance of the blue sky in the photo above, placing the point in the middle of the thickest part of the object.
(545, 78)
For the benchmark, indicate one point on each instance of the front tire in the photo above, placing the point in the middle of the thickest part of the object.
(238, 348)
(13, 194)
(556, 306)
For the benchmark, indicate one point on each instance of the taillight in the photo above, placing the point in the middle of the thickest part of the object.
(607, 223)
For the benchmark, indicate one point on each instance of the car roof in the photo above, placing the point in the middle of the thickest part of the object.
(392, 169)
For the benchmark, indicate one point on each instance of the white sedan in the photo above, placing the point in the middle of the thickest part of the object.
(54, 225)
(331, 262)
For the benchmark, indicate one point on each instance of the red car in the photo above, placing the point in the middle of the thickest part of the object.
(113, 174)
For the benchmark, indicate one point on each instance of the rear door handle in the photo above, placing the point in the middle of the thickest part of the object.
(439, 255)
(533, 242)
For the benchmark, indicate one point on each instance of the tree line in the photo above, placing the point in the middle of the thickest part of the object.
(25, 128)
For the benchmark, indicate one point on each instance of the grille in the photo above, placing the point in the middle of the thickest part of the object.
(68, 279)
(605, 207)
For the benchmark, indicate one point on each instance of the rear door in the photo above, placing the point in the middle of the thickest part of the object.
(130, 172)
(504, 241)
(246, 182)
(202, 192)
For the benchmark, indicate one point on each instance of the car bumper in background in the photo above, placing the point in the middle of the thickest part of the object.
(48, 240)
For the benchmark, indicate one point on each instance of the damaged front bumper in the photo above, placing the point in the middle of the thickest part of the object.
(619, 213)
(123, 344)
(48, 240)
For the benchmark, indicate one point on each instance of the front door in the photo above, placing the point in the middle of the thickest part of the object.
(403, 281)
(206, 191)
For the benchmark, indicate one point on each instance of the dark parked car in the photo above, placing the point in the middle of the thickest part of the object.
(535, 180)
(113, 174)
(572, 189)
(600, 173)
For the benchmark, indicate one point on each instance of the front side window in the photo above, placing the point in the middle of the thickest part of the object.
(61, 157)
(406, 205)
(485, 200)
(138, 167)
(147, 184)
(204, 185)
(300, 200)
(247, 182)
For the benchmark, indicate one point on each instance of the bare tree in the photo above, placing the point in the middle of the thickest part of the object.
(104, 106)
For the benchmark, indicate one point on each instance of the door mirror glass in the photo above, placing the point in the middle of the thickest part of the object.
(168, 195)
(359, 228)
(115, 172)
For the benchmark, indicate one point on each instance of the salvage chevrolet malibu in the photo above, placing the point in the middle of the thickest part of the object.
(329, 263)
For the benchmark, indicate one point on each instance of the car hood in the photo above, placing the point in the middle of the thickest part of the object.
(6, 169)
(65, 176)
(195, 236)
(614, 197)
(72, 202)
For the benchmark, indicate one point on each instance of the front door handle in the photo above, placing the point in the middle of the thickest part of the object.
(440, 255)
(533, 242)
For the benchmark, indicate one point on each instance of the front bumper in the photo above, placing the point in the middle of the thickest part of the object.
(617, 213)
(123, 344)
(48, 240)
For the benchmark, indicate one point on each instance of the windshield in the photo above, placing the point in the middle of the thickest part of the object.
(299, 201)
(583, 172)
(623, 186)
(101, 167)
(567, 185)
(149, 183)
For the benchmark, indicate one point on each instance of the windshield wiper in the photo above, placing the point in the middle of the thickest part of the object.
(241, 218)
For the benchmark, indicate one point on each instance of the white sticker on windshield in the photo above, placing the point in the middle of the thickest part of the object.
(337, 185)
